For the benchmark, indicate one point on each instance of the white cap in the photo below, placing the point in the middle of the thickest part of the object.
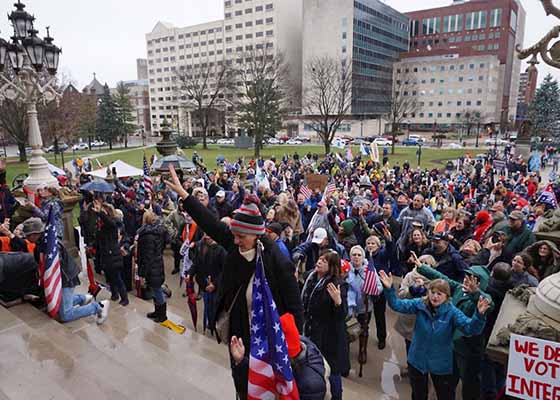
(319, 235)
(221, 193)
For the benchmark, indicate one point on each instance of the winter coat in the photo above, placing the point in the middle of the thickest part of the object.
(552, 265)
(517, 241)
(18, 275)
(405, 253)
(107, 243)
(325, 322)
(404, 324)
(384, 259)
(311, 372)
(88, 225)
(467, 303)
(152, 240)
(483, 223)
(450, 263)
(460, 237)
(57, 208)
(409, 214)
(523, 278)
(284, 215)
(237, 276)
(431, 350)
(483, 258)
(7, 202)
(497, 290)
(207, 260)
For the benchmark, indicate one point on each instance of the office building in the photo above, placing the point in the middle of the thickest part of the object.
(141, 69)
(271, 25)
(370, 35)
(462, 60)
(527, 90)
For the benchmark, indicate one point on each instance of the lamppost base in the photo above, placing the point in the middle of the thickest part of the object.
(39, 173)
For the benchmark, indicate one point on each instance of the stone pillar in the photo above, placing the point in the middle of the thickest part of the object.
(69, 241)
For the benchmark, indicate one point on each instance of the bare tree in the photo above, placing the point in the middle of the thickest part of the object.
(404, 103)
(469, 119)
(263, 80)
(203, 87)
(327, 96)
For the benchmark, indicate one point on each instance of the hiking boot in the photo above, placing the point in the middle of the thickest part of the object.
(381, 344)
(124, 302)
(153, 314)
(104, 312)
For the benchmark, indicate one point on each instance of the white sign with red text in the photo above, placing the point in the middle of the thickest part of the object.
(533, 369)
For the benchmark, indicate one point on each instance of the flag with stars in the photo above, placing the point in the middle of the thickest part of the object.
(148, 184)
(51, 277)
(270, 371)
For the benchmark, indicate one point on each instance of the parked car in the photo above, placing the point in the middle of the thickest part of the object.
(454, 146)
(418, 138)
(28, 151)
(273, 141)
(225, 141)
(80, 146)
(98, 143)
(411, 142)
(61, 147)
(294, 142)
(304, 139)
(491, 142)
(382, 141)
(390, 137)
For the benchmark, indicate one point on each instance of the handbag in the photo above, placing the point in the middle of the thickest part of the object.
(222, 322)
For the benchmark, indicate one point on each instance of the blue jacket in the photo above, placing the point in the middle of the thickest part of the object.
(283, 249)
(432, 342)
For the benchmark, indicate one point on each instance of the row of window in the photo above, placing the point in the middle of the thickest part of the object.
(184, 36)
(368, 10)
(432, 115)
(362, 25)
(450, 103)
(442, 68)
(248, 24)
(238, 13)
(228, 3)
(454, 23)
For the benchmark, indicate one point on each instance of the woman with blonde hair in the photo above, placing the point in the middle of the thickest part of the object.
(152, 239)
(448, 220)
(288, 212)
(431, 349)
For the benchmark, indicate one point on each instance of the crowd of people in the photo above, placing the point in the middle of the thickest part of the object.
(440, 247)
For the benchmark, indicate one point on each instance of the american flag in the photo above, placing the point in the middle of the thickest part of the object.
(148, 184)
(51, 277)
(304, 189)
(371, 283)
(548, 197)
(270, 371)
(329, 189)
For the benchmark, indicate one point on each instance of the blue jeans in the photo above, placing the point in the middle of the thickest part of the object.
(336, 386)
(159, 297)
(72, 308)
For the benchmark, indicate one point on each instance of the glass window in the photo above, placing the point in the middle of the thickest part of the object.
(495, 17)
(513, 20)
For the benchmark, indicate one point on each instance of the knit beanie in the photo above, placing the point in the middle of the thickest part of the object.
(348, 226)
(291, 332)
(248, 219)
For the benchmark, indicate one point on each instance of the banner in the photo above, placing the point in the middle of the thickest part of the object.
(533, 369)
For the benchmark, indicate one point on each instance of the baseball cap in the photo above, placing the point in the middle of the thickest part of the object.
(221, 193)
(319, 235)
(275, 227)
(516, 215)
(440, 236)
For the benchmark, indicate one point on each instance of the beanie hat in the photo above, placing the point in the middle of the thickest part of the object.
(33, 225)
(248, 219)
(130, 195)
(291, 332)
(348, 226)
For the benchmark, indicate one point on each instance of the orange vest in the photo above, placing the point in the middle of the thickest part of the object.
(192, 231)
(30, 247)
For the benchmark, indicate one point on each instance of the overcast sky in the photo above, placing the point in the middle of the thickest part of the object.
(107, 36)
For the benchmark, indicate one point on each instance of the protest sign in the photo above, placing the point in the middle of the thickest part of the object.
(316, 181)
(533, 369)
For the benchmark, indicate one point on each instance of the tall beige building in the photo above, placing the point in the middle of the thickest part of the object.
(274, 25)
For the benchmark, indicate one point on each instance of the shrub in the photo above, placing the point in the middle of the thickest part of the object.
(185, 142)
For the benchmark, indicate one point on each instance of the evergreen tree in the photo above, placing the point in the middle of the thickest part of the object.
(544, 110)
(87, 118)
(108, 123)
(126, 118)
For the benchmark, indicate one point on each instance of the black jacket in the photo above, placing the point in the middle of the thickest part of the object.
(325, 323)
(107, 243)
(208, 260)
(237, 275)
(460, 237)
(88, 225)
(152, 240)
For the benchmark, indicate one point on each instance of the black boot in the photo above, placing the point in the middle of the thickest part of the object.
(154, 314)
(161, 313)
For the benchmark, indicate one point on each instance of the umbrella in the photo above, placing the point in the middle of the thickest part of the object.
(98, 186)
(191, 300)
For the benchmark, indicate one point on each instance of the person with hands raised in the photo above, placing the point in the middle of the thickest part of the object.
(437, 320)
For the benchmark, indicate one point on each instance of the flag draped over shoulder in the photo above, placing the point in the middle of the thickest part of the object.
(548, 197)
(270, 371)
(50, 272)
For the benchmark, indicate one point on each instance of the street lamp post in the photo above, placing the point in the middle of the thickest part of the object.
(419, 152)
(477, 133)
(28, 55)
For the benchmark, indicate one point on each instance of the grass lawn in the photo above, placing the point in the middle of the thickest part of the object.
(431, 157)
